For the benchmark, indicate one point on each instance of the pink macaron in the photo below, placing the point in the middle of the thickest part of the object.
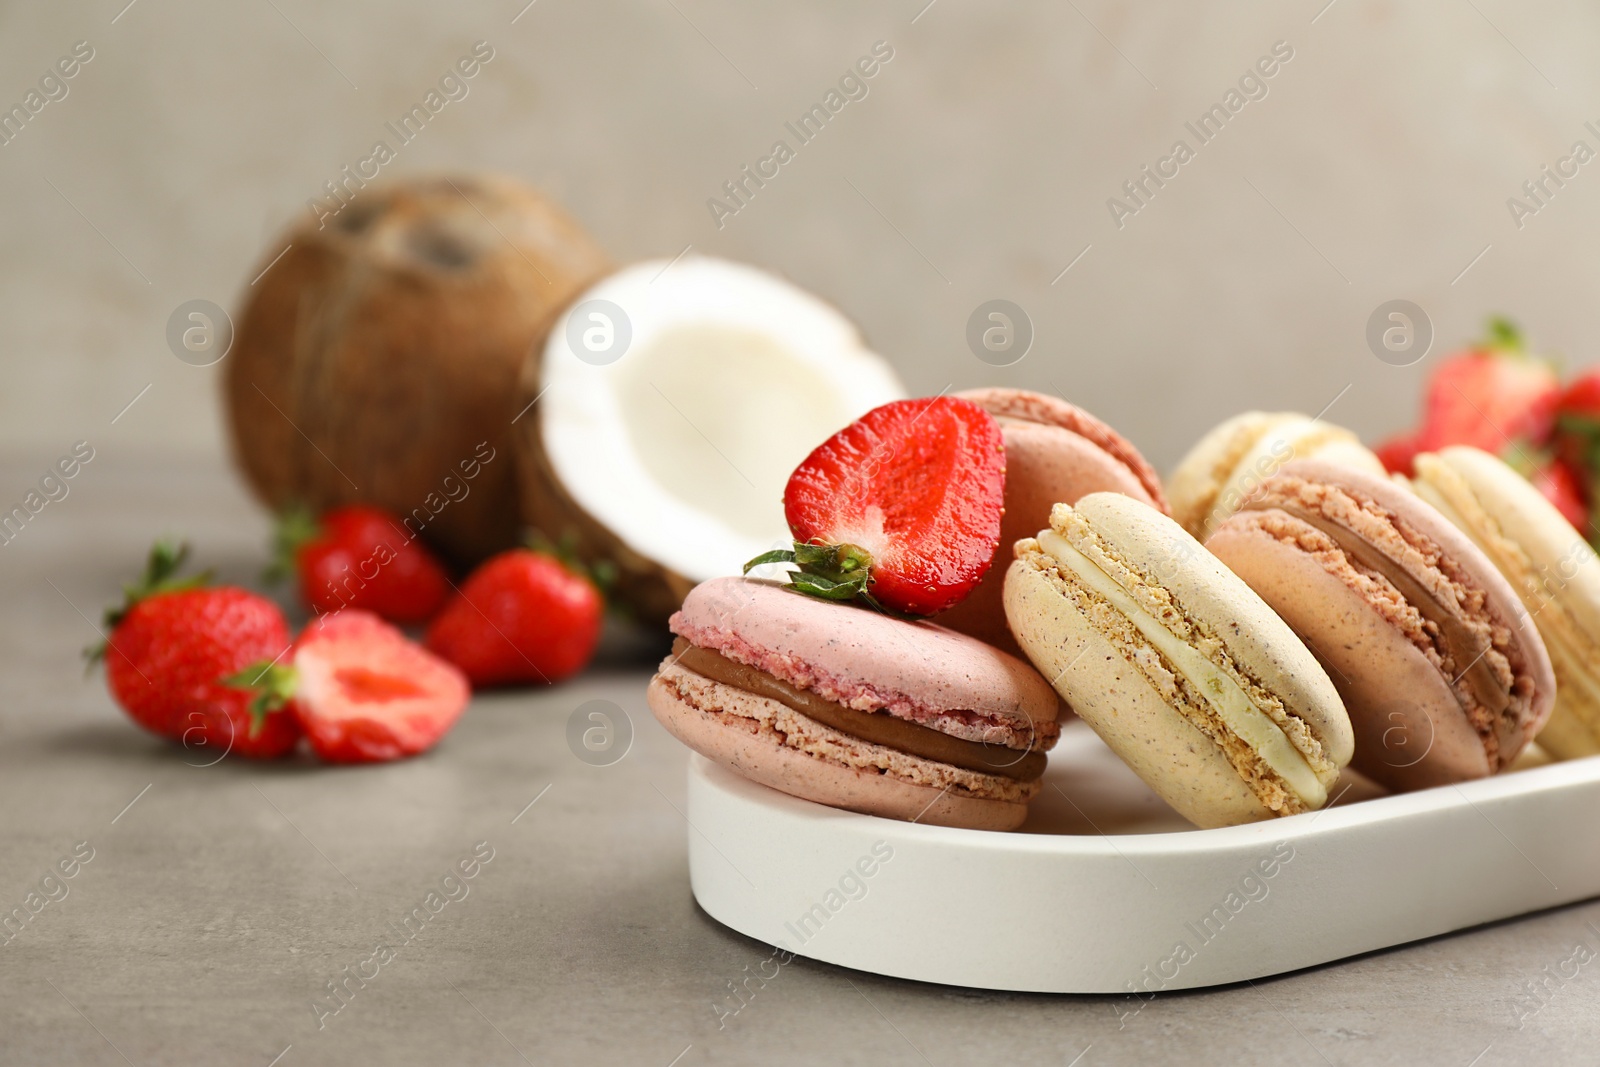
(1055, 453)
(844, 706)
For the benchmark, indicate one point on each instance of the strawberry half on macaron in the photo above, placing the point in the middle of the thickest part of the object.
(901, 509)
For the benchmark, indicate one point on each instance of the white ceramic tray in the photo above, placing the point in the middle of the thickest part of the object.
(1105, 890)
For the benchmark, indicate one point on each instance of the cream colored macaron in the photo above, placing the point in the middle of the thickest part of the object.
(1548, 563)
(1178, 666)
(1227, 464)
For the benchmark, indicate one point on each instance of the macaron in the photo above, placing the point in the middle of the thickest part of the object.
(1227, 464)
(1178, 666)
(1444, 675)
(848, 707)
(1055, 453)
(1548, 563)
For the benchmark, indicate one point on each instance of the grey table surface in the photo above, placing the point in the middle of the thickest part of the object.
(221, 900)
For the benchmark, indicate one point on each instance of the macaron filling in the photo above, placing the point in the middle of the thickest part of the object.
(1228, 702)
(874, 727)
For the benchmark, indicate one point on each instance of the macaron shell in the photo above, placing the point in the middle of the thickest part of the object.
(761, 759)
(1228, 463)
(1179, 762)
(1549, 564)
(853, 655)
(1044, 466)
(1026, 406)
(1557, 560)
(1218, 599)
(1410, 731)
(1500, 600)
(1201, 473)
(1055, 454)
(1521, 513)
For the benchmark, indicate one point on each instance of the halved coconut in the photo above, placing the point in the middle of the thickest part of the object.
(669, 406)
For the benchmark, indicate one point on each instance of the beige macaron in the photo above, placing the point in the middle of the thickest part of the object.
(1548, 563)
(1178, 666)
(1227, 464)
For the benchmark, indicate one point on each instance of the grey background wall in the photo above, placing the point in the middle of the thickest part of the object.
(1377, 166)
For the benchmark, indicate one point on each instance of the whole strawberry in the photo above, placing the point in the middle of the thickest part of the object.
(523, 616)
(358, 556)
(174, 645)
(361, 690)
(901, 508)
(1578, 440)
(1564, 487)
(1399, 452)
(1495, 396)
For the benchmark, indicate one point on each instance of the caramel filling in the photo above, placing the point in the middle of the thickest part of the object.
(1463, 644)
(878, 728)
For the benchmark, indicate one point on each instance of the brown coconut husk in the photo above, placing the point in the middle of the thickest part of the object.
(381, 354)
(642, 587)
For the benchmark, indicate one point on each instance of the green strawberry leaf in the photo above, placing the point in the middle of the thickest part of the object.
(160, 575)
(296, 525)
(841, 573)
(1503, 335)
(602, 573)
(273, 684)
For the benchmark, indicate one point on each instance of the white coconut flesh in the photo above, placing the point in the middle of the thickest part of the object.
(682, 446)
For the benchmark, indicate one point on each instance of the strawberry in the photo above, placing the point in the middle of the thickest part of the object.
(1578, 423)
(900, 509)
(360, 557)
(1563, 486)
(1399, 452)
(362, 691)
(1495, 397)
(523, 616)
(174, 644)
(1578, 438)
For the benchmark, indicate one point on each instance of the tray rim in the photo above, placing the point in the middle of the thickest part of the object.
(1528, 782)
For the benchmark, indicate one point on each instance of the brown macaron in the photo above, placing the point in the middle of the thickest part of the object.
(1055, 453)
(1443, 674)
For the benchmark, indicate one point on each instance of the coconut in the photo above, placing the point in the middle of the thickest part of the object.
(669, 406)
(377, 360)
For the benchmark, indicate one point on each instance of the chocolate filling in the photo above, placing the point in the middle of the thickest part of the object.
(1463, 644)
(878, 728)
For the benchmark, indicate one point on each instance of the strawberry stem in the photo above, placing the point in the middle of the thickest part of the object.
(297, 525)
(602, 573)
(829, 572)
(1504, 336)
(273, 684)
(160, 576)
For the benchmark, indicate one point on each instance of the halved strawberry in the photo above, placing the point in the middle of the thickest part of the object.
(900, 508)
(363, 692)
(1494, 396)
